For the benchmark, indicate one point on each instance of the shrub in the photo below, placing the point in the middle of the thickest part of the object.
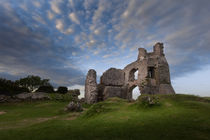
(97, 109)
(62, 90)
(74, 92)
(46, 89)
(149, 100)
(61, 97)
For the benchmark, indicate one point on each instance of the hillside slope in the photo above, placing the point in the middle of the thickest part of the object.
(173, 117)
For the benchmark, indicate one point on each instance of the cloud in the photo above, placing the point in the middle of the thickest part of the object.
(39, 19)
(74, 18)
(25, 51)
(71, 35)
(37, 4)
(59, 25)
(69, 31)
(107, 55)
(50, 15)
(55, 6)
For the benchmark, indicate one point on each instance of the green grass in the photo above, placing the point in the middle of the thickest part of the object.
(175, 117)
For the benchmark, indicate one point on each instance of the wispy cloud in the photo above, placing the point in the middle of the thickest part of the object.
(74, 18)
(55, 6)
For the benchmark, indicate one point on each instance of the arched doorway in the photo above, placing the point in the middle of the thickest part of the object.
(134, 92)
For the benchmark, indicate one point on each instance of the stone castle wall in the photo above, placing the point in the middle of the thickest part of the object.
(153, 78)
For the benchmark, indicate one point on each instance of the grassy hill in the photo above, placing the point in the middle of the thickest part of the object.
(173, 117)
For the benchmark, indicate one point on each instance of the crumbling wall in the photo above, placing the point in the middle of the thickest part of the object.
(153, 77)
(91, 92)
(113, 81)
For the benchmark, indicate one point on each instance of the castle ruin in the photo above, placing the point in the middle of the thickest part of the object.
(153, 78)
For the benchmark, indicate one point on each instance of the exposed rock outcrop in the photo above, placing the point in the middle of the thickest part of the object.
(24, 97)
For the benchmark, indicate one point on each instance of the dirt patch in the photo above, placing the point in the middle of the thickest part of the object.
(25, 122)
(72, 116)
(42, 105)
(168, 104)
(46, 119)
(2, 112)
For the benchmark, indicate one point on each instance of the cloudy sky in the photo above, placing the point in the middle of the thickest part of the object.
(62, 39)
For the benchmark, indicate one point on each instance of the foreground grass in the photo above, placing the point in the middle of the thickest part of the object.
(177, 117)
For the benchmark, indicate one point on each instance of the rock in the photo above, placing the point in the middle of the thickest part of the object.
(40, 96)
(24, 96)
(74, 106)
(91, 87)
(113, 77)
(82, 100)
(4, 98)
(32, 96)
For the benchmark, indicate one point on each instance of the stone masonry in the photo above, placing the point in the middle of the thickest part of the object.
(153, 78)
(91, 93)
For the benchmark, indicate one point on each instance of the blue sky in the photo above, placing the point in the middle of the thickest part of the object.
(62, 39)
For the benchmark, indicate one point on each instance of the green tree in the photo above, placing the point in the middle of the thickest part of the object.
(8, 87)
(32, 82)
(62, 90)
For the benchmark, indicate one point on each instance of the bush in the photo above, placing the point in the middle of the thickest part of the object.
(46, 89)
(61, 97)
(149, 100)
(97, 109)
(74, 92)
(62, 90)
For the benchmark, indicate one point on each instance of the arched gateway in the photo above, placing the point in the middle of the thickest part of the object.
(153, 77)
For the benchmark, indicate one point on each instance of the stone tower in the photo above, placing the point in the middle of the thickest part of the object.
(153, 72)
(153, 77)
(91, 92)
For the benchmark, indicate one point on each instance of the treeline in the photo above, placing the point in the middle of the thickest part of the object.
(30, 83)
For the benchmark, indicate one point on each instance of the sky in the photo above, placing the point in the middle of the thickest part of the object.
(62, 39)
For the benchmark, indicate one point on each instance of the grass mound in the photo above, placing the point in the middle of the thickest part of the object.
(103, 107)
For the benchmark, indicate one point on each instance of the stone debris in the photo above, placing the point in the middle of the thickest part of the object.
(74, 106)
(32, 96)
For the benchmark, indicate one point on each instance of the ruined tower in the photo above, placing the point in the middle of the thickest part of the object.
(153, 76)
(153, 72)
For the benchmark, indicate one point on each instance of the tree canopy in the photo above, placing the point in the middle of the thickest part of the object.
(32, 82)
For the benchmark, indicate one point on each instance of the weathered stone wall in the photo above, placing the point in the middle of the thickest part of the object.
(113, 77)
(153, 77)
(91, 93)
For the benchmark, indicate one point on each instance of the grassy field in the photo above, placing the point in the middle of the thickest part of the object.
(176, 117)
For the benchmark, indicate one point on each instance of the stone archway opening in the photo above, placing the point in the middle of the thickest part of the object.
(134, 92)
(133, 74)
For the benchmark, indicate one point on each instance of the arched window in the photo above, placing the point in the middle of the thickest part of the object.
(133, 74)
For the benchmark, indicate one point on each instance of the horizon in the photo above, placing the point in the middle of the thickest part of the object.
(61, 40)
